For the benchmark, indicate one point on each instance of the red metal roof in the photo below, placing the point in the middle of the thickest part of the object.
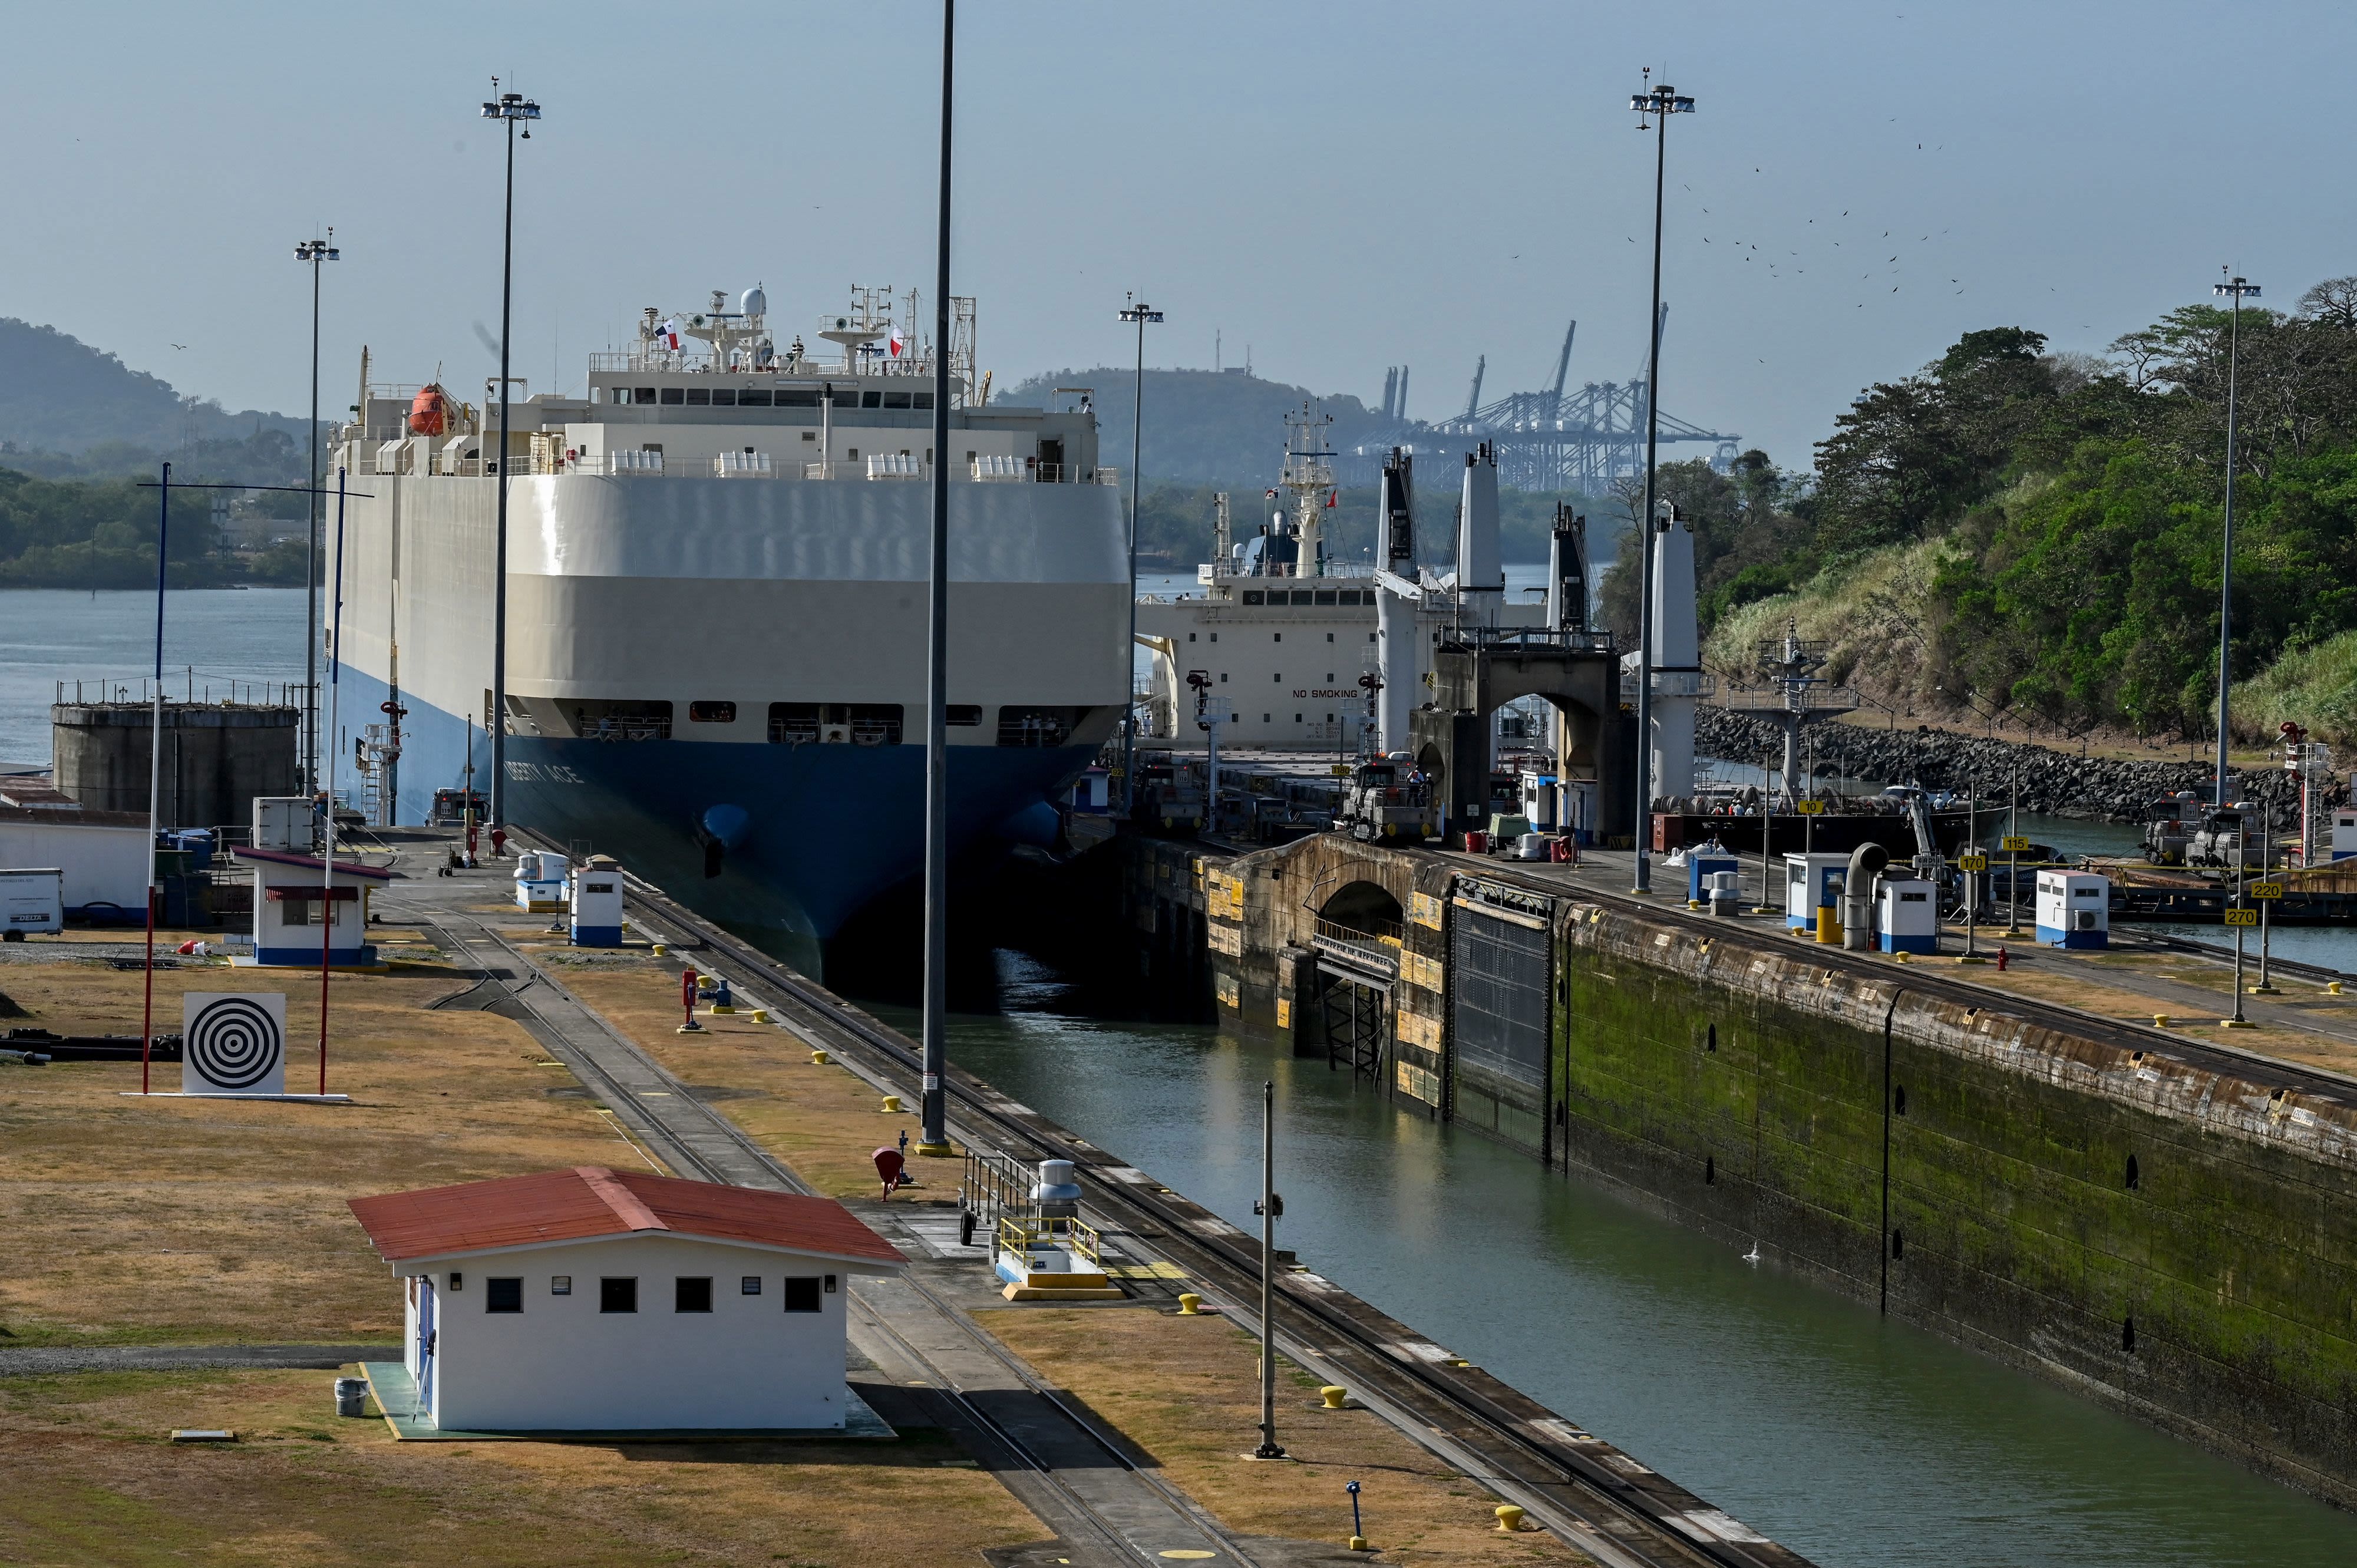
(590, 1201)
(311, 862)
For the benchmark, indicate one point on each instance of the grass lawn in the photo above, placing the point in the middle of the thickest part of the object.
(1186, 1391)
(96, 1481)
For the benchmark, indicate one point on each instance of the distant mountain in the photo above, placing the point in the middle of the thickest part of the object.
(61, 398)
(1221, 428)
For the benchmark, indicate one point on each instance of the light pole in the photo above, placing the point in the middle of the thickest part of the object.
(2234, 289)
(1663, 102)
(508, 108)
(315, 251)
(1138, 311)
(933, 1119)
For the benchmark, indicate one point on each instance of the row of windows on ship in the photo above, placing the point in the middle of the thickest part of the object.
(757, 397)
(797, 723)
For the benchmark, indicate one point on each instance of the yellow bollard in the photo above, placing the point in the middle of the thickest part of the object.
(1510, 1517)
(761, 1015)
(819, 1058)
(1359, 1543)
(1900, 955)
(1189, 1305)
(891, 1105)
(2332, 988)
(661, 950)
(2160, 1020)
(1333, 1394)
(1829, 926)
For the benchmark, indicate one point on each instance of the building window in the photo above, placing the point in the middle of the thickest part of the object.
(560, 1284)
(617, 1295)
(672, 396)
(644, 394)
(691, 1294)
(753, 397)
(457, 1281)
(724, 397)
(1223, 676)
(1255, 596)
(801, 1294)
(503, 1296)
(700, 397)
(749, 1285)
(1190, 637)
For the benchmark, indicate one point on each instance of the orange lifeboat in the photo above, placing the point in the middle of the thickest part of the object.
(429, 411)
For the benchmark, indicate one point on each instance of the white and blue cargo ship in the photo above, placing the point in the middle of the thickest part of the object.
(716, 607)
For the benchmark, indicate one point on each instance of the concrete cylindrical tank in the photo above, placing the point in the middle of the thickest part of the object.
(216, 758)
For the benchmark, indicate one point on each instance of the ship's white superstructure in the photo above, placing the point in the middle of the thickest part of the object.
(717, 601)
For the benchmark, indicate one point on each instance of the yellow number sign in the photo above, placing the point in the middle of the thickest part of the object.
(1810, 808)
(2266, 890)
(2013, 846)
(1973, 862)
(2241, 917)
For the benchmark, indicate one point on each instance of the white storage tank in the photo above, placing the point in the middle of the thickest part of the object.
(540, 877)
(2074, 910)
(597, 902)
(32, 899)
(1907, 915)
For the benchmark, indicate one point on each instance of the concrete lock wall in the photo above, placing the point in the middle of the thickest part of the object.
(216, 758)
(1966, 1170)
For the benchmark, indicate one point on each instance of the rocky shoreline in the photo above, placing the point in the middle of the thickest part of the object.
(2053, 783)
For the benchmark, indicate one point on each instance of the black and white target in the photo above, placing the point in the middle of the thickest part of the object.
(233, 1044)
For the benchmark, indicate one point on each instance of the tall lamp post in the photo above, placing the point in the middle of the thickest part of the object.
(932, 1118)
(509, 108)
(1662, 102)
(1138, 311)
(315, 251)
(2234, 289)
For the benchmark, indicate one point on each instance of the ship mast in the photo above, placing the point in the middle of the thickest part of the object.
(1309, 475)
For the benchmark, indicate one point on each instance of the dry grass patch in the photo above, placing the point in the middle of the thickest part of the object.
(99, 1484)
(822, 1121)
(1186, 1391)
(194, 1221)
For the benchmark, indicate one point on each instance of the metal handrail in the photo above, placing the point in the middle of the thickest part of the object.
(1028, 1233)
(1384, 933)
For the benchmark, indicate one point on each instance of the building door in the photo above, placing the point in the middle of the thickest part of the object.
(1499, 1023)
(1051, 462)
(425, 1346)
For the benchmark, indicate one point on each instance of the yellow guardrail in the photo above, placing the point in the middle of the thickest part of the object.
(1026, 1234)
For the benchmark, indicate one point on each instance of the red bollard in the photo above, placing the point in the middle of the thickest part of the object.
(889, 1161)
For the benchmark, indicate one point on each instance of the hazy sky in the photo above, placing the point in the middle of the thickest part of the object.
(1341, 186)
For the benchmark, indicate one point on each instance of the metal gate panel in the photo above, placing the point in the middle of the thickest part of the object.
(1498, 988)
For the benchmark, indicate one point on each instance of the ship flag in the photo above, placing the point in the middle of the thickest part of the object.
(899, 342)
(671, 333)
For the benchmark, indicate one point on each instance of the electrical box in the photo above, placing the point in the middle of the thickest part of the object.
(2074, 910)
(1907, 915)
(596, 903)
(1702, 862)
(286, 822)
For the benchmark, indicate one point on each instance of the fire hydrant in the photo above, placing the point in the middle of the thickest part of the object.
(2000, 958)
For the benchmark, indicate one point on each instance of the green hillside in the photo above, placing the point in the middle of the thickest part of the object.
(2011, 531)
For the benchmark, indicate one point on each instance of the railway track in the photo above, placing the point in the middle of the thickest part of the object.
(1589, 1493)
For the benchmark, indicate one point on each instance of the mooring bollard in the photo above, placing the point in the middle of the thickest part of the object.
(1189, 1305)
(820, 1058)
(1334, 1394)
(1510, 1517)
(891, 1105)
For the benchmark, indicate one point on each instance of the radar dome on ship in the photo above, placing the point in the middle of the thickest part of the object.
(754, 302)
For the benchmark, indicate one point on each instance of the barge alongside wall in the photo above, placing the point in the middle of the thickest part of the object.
(2165, 1227)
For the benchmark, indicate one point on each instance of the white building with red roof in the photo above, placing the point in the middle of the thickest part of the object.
(590, 1300)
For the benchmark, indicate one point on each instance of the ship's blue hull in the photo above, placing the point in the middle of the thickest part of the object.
(791, 839)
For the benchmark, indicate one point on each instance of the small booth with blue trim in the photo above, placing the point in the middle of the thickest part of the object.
(294, 897)
(2074, 910)
(1813, 881)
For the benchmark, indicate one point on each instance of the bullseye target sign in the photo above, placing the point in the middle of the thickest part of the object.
(233, 1044)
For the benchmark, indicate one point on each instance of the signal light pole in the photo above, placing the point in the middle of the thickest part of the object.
(1662, 101)
(509, 108)
(315, 251)
(1137, 311)
(2235, 290)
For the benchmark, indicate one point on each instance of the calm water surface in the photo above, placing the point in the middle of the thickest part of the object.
(1857, 1441)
